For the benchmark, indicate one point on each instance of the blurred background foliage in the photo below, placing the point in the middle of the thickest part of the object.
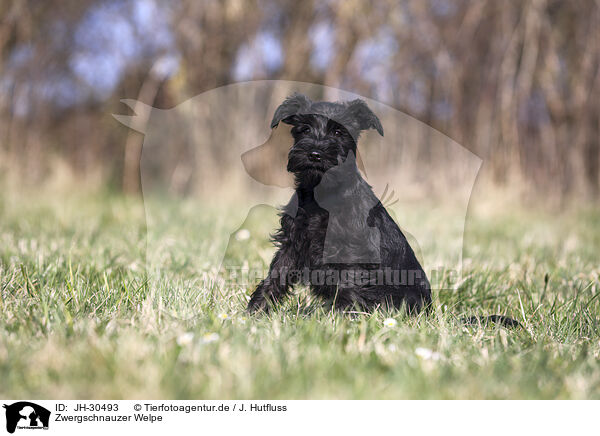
(516, 82)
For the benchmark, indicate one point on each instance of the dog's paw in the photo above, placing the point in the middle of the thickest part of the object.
(257, 304)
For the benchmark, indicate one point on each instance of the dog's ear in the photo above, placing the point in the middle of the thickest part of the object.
(359, 111)
(290, 107)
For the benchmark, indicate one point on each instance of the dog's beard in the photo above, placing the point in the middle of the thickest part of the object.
(308, 177)
(307, 174)
(298, 162)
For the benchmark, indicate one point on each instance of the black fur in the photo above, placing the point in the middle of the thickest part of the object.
(496, 319)
(335, 235)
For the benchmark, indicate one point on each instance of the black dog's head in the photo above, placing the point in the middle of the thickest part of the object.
(323, 132)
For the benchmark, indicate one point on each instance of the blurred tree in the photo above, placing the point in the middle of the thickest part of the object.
(517, 82)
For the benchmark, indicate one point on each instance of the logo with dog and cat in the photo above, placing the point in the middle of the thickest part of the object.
(24, 415)
(223, 150)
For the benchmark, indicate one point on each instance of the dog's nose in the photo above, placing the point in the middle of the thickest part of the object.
(314, 156)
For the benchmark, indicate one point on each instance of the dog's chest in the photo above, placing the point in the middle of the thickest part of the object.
(308, 233)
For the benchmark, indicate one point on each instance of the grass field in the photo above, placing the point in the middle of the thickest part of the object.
(81, 316)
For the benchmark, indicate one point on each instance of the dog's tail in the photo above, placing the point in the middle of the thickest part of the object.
(502, 320)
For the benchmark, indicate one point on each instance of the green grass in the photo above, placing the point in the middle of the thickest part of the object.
(82, 317)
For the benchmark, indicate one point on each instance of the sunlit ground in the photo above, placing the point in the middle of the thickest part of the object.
(83, 314)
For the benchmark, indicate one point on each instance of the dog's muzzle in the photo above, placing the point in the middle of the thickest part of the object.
(314, 156)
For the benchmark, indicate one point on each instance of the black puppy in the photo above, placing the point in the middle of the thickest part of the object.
(336, 236)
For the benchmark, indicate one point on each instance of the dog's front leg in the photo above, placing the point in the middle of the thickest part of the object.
(275, 287)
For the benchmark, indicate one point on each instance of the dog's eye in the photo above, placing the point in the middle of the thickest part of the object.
(338, 132)
(304, 129)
